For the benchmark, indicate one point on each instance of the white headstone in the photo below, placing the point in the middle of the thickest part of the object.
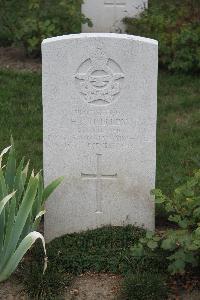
(107, 15)
(99, 106)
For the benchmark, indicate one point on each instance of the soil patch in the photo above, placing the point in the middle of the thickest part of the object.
(89, 286)
(15, 58)
(12, 289)
(92, 286)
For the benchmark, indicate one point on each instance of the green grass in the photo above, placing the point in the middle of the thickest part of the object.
(178, 135)
(101, 250)
(144, 286)
(106, 249)
(21, 114)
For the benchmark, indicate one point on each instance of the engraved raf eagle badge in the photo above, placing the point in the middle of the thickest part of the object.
(99, 79)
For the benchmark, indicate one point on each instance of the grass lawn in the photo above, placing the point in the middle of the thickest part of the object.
(21, 114)
(105, 249)
(178, 135)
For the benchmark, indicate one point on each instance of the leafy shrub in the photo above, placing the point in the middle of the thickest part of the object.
(182, 243)
(29, 22)
(175, 24)
(22, 200)
(144, 286)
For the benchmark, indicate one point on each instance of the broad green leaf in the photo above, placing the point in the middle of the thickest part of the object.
(152, 245)
(149, 234)
(20, 214)
(5, 200)
(196, 212)
(178, 266)
(143, 240)
(197, 231)
(21, 217)
(3, 187)
(37, 219)
(193, 247)
(37, 205)
(159, 196)
(10, 168)
(51, 187)
(169, 207)
(18, 186)
(3, 193)
(23, 247)
(156, 238)
(174, 218)
(168, 244)
(10, 220)
(27, 228)
(183, 224)
(2, 219)
(137, 251)
(3, 153)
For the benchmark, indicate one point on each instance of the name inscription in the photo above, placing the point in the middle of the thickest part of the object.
(100, 129)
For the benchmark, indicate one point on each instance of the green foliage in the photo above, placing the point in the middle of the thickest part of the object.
(22, 198)
(30, 21)
(49, 285)
(175, 24)
(101, 250)
(178, 140)
(178, 131)
(21, 114)
(95, 250)
(182, 243)
(144, 286)
(184, 207)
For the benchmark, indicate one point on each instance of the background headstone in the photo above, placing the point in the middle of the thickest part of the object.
(99, 106)
(107, 15)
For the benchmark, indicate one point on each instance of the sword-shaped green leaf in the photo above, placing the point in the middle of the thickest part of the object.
(50, 188)
(10, 167)
(16, 257)
(3, 153)
(21, 218)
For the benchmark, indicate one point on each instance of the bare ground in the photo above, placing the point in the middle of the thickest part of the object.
(88, 286)
(92, 286)
(15, 58)
(12, 289)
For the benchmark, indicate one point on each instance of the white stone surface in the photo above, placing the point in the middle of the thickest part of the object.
(99, 106)
(107, 15)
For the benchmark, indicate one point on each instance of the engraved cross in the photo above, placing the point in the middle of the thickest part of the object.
(119, 6)
(98, 177)
(119, 3)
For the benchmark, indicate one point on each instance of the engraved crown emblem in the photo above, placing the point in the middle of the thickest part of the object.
(99, 79)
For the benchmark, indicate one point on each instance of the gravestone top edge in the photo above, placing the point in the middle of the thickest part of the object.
(100, 35)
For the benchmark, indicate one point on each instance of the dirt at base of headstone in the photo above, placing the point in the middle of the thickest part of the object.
(12, 289)
(195, 295)
(89, 286)
(15, 59)
(92, 286)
